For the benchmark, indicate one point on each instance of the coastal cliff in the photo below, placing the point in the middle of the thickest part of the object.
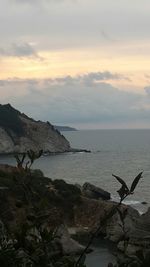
(19, 133)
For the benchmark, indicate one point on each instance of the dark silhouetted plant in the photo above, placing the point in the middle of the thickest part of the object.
(20, 160)
(31, 155)
(124, 191)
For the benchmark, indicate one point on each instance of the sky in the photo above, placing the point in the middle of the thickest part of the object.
(82, 63)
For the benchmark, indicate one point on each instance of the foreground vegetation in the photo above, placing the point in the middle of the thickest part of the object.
(33, 207)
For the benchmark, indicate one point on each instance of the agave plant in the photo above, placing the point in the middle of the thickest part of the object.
(32, 155)
(20, 160)
(124, 191)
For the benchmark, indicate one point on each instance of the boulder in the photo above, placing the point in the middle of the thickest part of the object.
(69, 245)
(116, 228)
(139, 235)
(92, 191)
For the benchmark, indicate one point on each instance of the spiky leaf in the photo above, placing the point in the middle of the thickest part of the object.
(17, 158)
(135, 182)
(31, 155)
(121, 181)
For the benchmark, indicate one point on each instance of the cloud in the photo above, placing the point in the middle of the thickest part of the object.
(95, 77)
(87, 23)
(69, 100)
(90, 78)
(20, 50)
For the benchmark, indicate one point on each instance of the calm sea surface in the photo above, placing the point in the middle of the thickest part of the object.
(122, 152)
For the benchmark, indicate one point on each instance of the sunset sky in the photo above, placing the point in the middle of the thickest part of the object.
(83, 63)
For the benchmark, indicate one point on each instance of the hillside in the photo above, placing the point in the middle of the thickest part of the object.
(19, 133)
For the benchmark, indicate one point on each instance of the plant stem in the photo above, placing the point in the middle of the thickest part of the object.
(102, 223)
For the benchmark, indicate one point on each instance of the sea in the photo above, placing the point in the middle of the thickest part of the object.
(124, 153)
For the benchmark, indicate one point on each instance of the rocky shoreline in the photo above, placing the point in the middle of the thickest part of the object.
(50, 153)
(33, 207)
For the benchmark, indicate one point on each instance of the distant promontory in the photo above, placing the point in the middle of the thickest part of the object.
(64, 128)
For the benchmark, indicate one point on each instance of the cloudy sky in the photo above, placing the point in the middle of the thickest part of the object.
(83, 63)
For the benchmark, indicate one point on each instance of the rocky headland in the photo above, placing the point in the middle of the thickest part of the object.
(37, 214)
(19, 133)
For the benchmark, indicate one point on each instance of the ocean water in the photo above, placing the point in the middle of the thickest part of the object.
(121, 152)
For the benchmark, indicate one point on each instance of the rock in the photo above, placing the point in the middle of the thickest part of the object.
(78, 186)
(77, 150)
(69, 246)
(144, 203)
(137, 235)
(117, 229)
(92, 191)
(90, 212)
